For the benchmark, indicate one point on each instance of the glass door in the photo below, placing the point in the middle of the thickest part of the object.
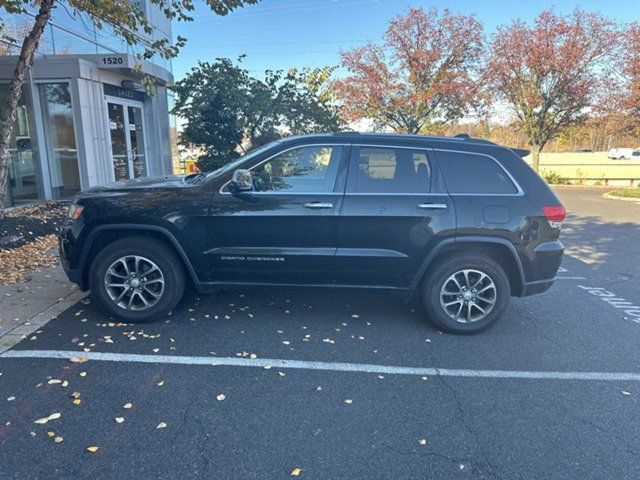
(136, 141)
(127, 140)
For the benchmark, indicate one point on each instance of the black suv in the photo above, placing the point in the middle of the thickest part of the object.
(461, 223)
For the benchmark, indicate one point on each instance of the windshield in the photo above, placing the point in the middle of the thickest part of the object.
(244, 158)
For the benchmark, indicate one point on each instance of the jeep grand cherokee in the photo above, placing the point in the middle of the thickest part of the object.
(462, 224)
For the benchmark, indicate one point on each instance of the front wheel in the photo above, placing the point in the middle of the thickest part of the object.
(466, 293)
(137, 279)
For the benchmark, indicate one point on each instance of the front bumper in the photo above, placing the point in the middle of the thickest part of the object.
(66, 247)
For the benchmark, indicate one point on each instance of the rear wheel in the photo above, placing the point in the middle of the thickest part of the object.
(137, 279)
(466, 293)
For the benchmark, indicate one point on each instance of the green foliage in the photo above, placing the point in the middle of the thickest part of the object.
(227, 111)
(554, 178)
(128, 20)
(626, 192)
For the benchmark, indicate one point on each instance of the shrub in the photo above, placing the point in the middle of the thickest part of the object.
(626, 192)
(554, 178)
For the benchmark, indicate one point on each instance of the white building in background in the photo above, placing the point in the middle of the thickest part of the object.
(83, 118)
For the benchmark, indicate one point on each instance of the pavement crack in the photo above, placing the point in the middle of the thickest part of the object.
(610, 434)
(490, 468)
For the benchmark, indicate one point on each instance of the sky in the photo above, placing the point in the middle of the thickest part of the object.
(280, 34)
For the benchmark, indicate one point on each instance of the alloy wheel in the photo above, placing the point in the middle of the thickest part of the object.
(134, 282)
(468, 295)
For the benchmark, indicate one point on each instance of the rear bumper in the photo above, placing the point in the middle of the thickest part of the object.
(539, 286)
(543, 267)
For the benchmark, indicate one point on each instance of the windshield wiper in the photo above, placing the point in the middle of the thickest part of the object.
(193, 177)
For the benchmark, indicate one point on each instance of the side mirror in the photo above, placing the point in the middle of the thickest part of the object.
(242, 181)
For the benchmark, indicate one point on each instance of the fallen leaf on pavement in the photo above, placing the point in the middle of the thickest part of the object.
(162, 425)
(348, 401)
(128, 405)
(422, 441)
(624, 392)
(57, 439)
(119, 419)
(160, 383)
(295, 472)
(78, 359)
(220, 397)
(54, 381)
(42, 421)
(93, 449)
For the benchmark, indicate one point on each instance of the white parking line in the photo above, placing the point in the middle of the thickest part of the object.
(326, 366)
(571, 278)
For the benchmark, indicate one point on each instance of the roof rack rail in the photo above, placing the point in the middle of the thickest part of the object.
(466, 136)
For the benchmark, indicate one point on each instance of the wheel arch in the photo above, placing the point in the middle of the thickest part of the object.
(102, 235)
(497, 248)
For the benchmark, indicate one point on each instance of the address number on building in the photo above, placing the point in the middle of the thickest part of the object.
(112, 60)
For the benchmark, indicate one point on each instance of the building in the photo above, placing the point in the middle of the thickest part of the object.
(84, 118)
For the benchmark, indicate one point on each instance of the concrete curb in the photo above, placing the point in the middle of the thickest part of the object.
(624, 199)
(578, 187)
(20, 332)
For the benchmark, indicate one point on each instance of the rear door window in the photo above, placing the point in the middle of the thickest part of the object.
(474, 174)
(389, 170)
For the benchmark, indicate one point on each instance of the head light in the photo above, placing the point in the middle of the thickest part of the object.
(75, 210)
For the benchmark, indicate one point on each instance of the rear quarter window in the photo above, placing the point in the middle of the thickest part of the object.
(473, 173)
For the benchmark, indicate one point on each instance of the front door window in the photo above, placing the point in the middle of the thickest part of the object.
(127, 141)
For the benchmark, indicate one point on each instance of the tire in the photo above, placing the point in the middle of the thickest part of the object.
(476, 264)
(161, 288)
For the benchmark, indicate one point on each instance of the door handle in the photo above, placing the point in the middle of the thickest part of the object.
(433, 206)
(318, 205)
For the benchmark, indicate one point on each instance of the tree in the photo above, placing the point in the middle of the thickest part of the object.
(423, 73)
(126, 18)
(228, 112)
(550, 73)
(629, 69)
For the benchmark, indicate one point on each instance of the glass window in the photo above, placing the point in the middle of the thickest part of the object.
(469, 173)
(304, 169)
(24, 176)
(60, 134)
(391, 170)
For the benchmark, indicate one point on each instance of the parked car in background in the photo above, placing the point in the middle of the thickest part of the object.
(624, 153)
(583, 150)
(460, 224)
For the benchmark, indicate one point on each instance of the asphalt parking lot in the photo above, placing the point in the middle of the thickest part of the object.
(341, 384)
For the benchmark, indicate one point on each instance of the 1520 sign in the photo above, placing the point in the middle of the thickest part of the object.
(112, 60)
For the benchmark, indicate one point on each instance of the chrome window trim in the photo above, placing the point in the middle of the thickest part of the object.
(279, 153)
(519, 193)
(391, 194)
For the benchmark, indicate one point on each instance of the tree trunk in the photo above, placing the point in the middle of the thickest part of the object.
(8, 115)
(535, 154)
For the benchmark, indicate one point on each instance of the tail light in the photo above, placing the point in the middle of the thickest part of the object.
(555, 214)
